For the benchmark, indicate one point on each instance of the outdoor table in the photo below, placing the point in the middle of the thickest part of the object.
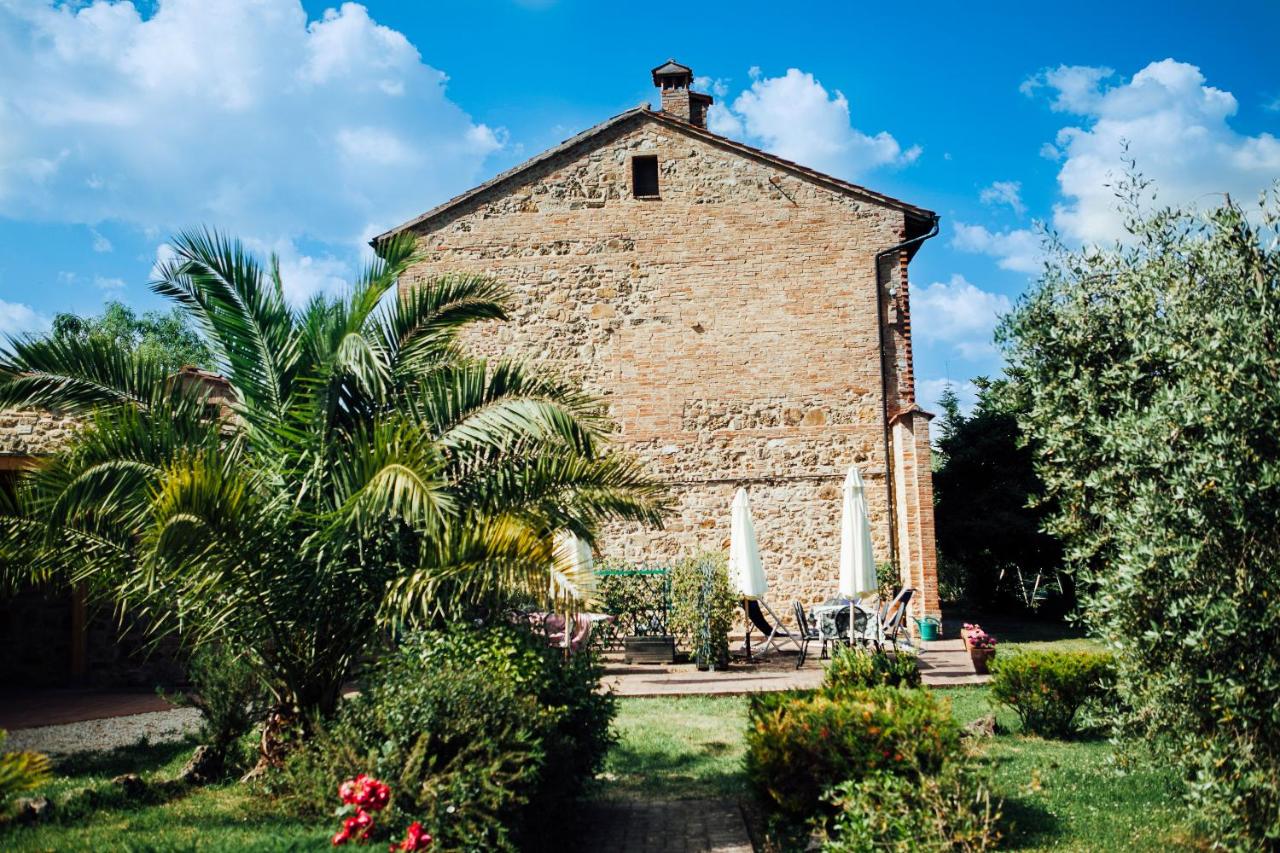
(828, 619)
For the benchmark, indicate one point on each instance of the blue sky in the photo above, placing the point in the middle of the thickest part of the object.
(307, 128)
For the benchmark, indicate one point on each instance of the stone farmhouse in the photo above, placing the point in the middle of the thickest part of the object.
(746, 319)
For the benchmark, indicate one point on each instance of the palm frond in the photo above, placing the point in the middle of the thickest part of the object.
(474, 404)
(76, 375)
(421, 327)
(248, 323)
(393, 472)
(471, 563)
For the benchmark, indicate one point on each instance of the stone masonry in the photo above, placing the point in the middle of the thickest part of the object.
(740, 327)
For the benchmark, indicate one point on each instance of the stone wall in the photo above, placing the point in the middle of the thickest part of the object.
(31, 432)
(731, 325)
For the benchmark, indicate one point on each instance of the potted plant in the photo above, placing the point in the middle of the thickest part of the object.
(982, 648)
(966, 630)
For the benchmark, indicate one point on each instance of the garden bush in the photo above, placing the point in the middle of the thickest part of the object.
(702, 607)
(854, 667)
(1148, 372)
(952, 810)
(1046, 689)
(800, 745)
(227, 689)
(485, 736)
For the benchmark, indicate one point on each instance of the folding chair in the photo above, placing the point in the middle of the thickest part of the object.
(893, 615)
(808, 632)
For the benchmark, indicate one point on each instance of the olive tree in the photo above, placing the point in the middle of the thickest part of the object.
(1150, 372)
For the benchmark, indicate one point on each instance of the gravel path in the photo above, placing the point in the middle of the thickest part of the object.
(101, 735)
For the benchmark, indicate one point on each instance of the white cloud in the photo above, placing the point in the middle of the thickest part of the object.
(794, 116)
(305, 275)
(18, 319)
(718, 86)
(1176, 128)
(1017, 249)
(109, 284)
(956, 312)
(1004, 192)
(1076, 86)
(236, 113)
(100, 243)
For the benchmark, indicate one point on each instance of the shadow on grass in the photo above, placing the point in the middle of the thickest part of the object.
(705, 769)
(1028, 824)
(141, 757)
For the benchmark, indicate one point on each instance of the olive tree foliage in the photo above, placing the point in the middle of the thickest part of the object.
(1150, 377)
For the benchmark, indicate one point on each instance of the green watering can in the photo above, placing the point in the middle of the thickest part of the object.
(930, 628)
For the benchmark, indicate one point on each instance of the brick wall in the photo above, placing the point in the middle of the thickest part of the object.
(730, 325)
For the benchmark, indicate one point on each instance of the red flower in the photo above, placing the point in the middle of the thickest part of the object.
(416, 838)
(365, 792)
(341, 837)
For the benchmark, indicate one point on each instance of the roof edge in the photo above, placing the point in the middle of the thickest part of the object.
(920, 214)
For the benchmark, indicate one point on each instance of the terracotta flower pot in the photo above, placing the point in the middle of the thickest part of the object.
(980, 658)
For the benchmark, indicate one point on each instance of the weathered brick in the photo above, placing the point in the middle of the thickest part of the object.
(732, 326)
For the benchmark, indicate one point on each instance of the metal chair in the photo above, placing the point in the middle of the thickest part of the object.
(894, 615)
(808, 632)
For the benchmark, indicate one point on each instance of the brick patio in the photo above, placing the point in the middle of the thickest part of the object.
(944, 663)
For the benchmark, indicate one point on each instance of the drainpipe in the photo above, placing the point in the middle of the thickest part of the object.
(884, 387)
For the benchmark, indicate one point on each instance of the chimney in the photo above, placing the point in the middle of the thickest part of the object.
(678, 98)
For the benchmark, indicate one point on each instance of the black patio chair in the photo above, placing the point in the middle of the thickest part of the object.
(808, 632)
(894, 615)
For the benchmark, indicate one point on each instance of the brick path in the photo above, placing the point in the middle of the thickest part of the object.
(672, 826)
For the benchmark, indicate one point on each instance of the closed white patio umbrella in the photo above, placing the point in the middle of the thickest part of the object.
(572, 575)
(857, 562)
(746, 573)
(745, 570)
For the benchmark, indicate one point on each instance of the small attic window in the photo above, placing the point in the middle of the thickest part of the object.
(644, 177)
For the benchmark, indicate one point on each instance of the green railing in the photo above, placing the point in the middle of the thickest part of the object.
(640, 601)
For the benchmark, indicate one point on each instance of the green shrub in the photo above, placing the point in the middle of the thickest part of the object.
(228, 690)
(485, 736)
(703, 604)
(853, 667)
(798, 746)
(952, 810)
(1147, 373)
(1046, 689)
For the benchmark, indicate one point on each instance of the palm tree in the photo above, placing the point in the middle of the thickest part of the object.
(370, 474)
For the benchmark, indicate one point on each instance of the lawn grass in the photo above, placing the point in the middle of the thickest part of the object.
(676, 748)
(1071, 794)
(216, 817)
(1059, 795)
